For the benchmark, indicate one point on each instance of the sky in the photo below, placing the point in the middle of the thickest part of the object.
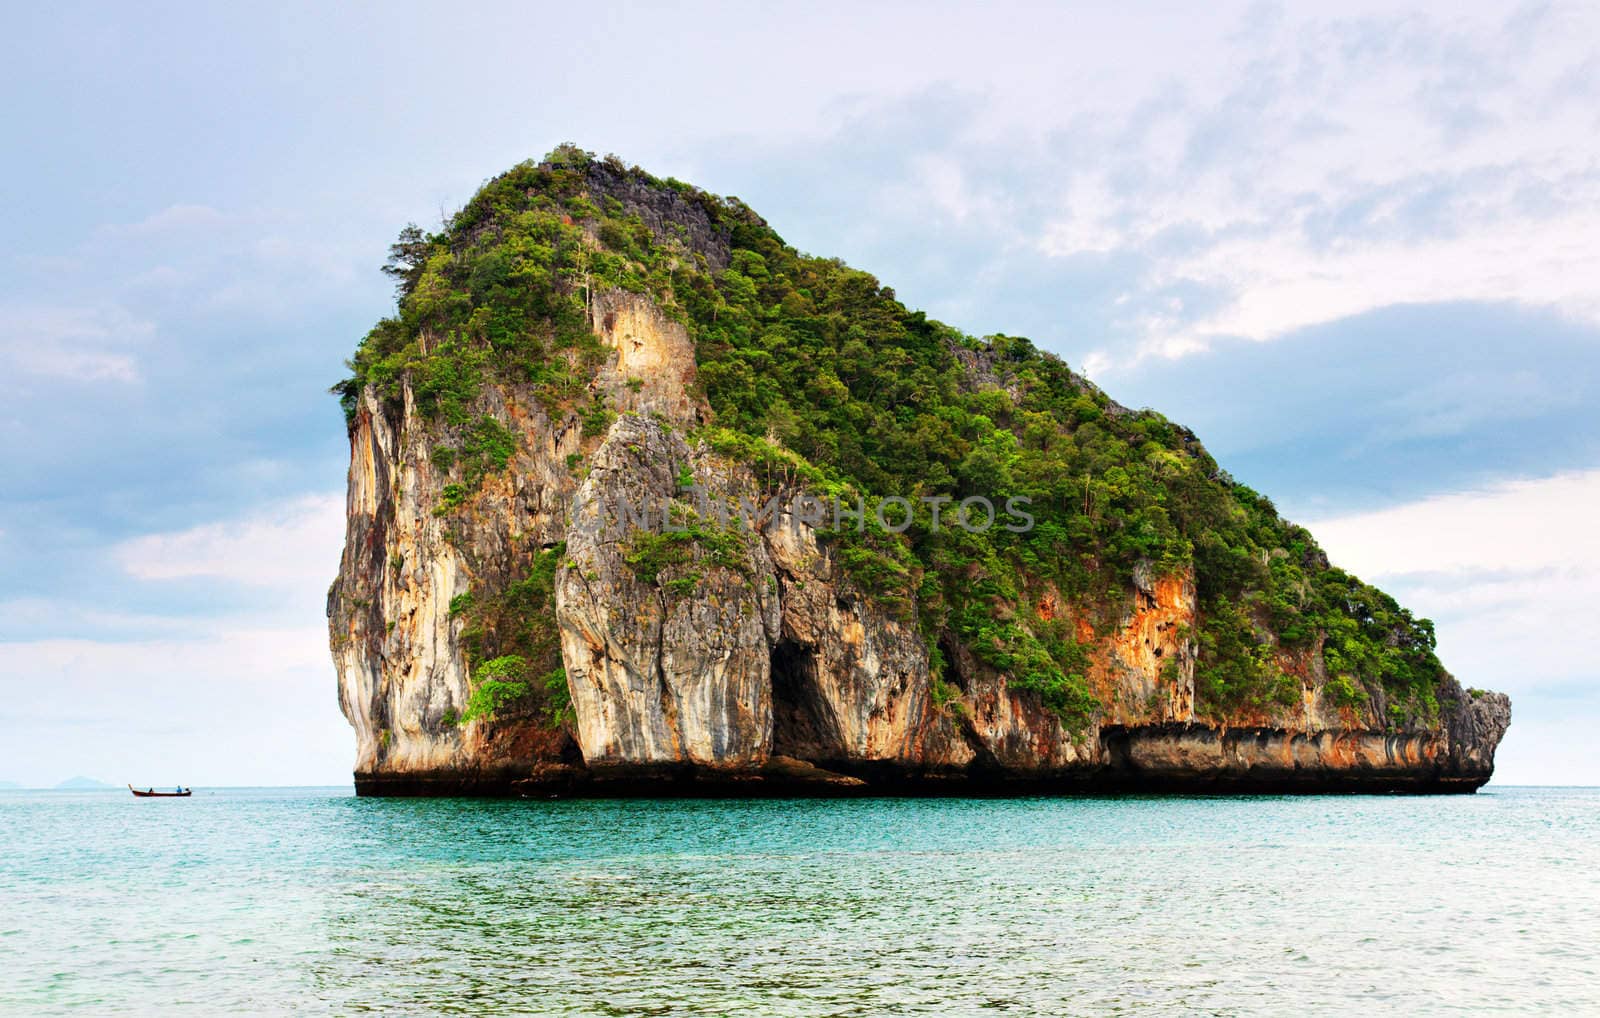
(1355, 248)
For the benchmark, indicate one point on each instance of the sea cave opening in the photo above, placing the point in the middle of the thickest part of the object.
(800, 713)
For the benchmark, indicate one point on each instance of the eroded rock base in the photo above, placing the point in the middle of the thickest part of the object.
(1165, 760)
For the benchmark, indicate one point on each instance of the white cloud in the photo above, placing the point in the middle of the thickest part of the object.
(1544, 751)
(243, 698)
(180, 219)
(1282, 282)
(34, 615)
(1346, 164)
(240, 264)
(1510, 575)
(1179, 183)
(222, 705)
(211, 653)
(944, 184)
(293, 544)
(77, 344)
(1523, 527)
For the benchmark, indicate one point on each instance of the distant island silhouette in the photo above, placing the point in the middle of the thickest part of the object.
(81, 783)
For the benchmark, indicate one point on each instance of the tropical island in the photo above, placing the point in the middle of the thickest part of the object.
(795, 612)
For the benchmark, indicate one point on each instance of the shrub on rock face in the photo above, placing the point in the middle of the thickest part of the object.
(498, 683)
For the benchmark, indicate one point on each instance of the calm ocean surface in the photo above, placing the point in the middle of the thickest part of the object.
(310, 900)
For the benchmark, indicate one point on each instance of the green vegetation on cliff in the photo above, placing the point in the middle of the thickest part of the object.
(818, 375)
(513, 648)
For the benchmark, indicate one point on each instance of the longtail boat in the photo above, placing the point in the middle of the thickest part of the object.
(150, 793)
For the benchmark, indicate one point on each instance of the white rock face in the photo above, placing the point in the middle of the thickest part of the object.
(674, 667)
(399, 668)
(403, 673)
(654, 365)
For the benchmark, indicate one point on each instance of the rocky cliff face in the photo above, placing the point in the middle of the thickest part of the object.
(665, 642)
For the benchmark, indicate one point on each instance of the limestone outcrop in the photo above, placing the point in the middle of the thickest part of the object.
(590, 597)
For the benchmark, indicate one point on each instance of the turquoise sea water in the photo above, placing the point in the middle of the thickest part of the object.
(310, 900)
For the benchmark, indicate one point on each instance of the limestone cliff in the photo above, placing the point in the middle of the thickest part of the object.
(549, 583)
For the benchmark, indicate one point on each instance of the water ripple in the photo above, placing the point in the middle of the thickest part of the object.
(309, 901)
